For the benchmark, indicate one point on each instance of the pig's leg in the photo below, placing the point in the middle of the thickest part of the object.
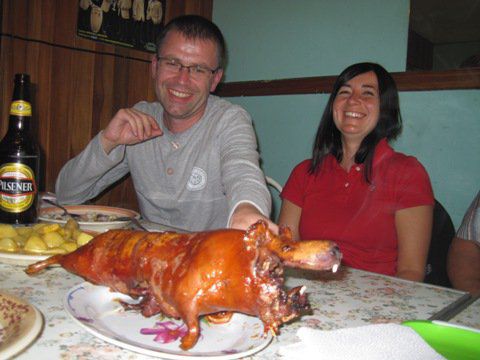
(189, 340)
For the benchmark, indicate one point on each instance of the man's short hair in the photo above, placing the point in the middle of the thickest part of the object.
(196, 27)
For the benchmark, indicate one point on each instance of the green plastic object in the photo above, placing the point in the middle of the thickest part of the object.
(454, 342)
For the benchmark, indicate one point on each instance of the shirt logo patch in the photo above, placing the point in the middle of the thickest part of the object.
(197, 180)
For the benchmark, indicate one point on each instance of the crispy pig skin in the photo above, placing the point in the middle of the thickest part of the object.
(213, 273)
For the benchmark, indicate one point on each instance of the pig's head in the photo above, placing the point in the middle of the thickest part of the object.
(304, 254)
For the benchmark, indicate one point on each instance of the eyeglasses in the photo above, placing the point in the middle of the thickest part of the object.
(175, 66)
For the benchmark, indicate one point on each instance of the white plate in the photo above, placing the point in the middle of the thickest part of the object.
(24, 258)
(20, 259)
(97, 309)
(20, 324)
(99, 226)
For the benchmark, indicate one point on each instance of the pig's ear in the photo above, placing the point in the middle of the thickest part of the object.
(256, 234)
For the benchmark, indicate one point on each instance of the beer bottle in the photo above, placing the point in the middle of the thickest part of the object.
(19, 160)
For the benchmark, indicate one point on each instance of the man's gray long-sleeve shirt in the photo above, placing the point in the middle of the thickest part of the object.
(192, 180)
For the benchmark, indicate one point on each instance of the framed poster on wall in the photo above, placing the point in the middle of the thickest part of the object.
(130, 23)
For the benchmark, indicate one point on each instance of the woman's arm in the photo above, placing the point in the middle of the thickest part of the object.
(290, 216)
(414, 231)
(463, 265)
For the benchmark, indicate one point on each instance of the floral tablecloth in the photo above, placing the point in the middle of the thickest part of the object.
(347, 299)
(469, 317)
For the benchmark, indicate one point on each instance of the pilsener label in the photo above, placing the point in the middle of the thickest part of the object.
(17, 187)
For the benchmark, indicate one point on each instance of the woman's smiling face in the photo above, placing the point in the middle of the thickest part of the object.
(356, 107)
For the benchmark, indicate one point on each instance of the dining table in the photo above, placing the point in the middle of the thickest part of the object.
(345, 299)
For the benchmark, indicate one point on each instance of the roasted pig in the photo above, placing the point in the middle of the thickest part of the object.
(211, 273)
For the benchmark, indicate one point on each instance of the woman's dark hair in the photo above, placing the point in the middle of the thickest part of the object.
(196, 27)
(328, 139)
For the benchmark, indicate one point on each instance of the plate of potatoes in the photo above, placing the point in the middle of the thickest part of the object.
(24, 245)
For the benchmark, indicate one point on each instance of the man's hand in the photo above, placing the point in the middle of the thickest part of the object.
(246, 214)
(127, 127)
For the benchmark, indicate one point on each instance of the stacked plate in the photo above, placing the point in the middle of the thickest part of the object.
(20, 325)
(90, 217)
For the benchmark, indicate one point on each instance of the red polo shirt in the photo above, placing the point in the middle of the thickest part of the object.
(341, 206)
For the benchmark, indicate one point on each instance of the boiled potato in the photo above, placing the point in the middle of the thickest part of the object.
(69, 246)
(7, 231)
(53, 239)
(35, 244)
(7, 244)
(49, 228)
(66, 233)
(83, 238)
(20, 240)
(38, 227)
(24, 231)
(43, 238)
(71, 225)
(75, 233)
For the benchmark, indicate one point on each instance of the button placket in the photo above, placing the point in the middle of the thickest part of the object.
(354, 173)
(171, 151)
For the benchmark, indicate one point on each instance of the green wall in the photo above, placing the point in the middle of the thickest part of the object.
(270, 39)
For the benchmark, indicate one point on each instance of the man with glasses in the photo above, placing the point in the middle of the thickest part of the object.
(192, 156)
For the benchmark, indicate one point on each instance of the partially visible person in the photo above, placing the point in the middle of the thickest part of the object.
(377, 204)
(192, 156)
(463, 262)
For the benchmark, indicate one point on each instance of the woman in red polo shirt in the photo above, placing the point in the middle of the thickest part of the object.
(377, 204)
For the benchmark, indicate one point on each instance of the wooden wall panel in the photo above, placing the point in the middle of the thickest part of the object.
(406, 81)
(104, 91)
(78, 84)
(57, 146)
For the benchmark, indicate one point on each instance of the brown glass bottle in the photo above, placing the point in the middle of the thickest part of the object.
(19, 160)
